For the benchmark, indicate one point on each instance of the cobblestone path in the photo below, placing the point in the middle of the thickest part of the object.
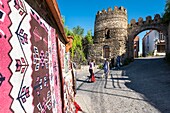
(141, 87)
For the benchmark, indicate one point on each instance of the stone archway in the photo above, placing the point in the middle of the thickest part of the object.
(134, 28)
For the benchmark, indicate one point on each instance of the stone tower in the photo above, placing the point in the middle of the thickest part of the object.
(110, 35)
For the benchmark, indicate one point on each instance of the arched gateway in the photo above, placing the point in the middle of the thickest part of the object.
(134, 28)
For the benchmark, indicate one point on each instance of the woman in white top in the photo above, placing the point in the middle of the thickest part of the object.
(91, 69)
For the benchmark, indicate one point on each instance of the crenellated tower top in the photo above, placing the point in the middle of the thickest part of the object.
(109, 10)
(111, 19)
(157, 19)
(111, 13)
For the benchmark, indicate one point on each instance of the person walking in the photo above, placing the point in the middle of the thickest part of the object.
(106, 71)
(91, 69)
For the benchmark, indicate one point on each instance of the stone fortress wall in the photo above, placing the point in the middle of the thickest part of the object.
(149, 20)
(111, 29)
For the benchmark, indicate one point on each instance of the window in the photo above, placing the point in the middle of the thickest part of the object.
(161, 48)
(106, 51)
(107, 33)
(161, 36)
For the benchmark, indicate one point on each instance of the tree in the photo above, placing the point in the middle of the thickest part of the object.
(77, 48)
(78, 30)
(77, 53)
(88, 37)
(87, 42)
(68, 32)
(166, 16)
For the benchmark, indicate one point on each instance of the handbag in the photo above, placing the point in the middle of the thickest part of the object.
(93, 78)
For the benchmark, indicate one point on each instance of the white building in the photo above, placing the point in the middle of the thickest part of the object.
(153, 43)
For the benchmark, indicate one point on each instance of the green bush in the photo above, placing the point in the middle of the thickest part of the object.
(100, 66)
(150, 54)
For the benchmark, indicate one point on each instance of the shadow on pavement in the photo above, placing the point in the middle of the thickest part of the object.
(92, 91)
(85, 81)
(151, 77)
(112, 81)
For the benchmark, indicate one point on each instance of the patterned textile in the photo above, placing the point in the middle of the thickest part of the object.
(5, 60)
(29, 70)
(69, 106)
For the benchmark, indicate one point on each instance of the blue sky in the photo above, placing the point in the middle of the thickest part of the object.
(82, 12)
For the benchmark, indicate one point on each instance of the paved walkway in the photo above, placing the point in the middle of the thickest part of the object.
(82, 78)
(141, 87)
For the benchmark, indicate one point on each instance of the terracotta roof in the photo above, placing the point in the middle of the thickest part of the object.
(136, 38)
(52, 4)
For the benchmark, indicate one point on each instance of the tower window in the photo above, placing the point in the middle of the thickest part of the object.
(107, 33)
